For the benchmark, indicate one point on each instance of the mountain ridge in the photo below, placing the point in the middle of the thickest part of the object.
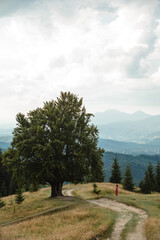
(151, 148)
(141, 129)
(114, 116)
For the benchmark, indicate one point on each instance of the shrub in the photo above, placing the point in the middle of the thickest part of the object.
(95, 189)
(19, 197)
(2, 203)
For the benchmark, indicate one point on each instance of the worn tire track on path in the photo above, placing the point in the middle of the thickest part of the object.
(125, 214)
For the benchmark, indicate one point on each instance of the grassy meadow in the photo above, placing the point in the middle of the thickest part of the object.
(34, 203)
(81, 221)
(148, 202)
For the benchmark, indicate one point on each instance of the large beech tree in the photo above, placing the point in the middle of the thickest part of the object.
(54, 144)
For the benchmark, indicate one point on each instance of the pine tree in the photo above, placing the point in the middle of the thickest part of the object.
(19, 197)
(158, 177)
(5, 178)
(151, 176)
(128, 179)
(116, 172)
(3, 189)
(13, 185)
(146, 184)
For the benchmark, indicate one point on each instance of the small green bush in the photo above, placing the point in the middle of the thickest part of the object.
(19, 198)
(95, 189)
(2, 203)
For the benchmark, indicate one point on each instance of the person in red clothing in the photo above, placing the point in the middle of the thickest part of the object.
(117, 190)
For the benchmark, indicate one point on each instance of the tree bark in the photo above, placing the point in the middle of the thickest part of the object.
(53, 190)
(56, 189)
(59, 189)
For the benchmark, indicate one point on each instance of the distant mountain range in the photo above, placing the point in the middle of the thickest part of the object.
(126, 136)
(137, 133)
(115, 116)
(151, 148)
(138, 127)
(4, 146)
(5, 138)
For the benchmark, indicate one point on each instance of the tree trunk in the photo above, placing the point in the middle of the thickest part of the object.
(53, 190)
(59, 189)
(56, 189)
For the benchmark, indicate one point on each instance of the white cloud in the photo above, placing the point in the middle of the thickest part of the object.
(156, 77)
(104, 51)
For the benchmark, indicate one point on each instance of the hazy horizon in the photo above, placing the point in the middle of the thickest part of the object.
(8, 125)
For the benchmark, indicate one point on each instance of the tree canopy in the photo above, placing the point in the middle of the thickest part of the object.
(158, 177)
(55, 143)
(5, 179)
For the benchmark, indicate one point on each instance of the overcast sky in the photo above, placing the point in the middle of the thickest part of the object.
(106, 51)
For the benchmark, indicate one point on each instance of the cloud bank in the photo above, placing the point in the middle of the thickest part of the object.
(107, 52)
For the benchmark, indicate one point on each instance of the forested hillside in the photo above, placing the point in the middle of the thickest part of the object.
(138, 164)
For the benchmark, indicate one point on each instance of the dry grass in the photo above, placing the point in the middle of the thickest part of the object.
(35, 202)
(85, 191)
(80, 223)
(153, 229)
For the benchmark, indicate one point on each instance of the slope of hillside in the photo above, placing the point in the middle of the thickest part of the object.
(64, 218)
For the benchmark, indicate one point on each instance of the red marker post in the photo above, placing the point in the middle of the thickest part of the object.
(116, 190)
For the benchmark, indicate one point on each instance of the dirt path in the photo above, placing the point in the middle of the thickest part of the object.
(125, 214)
